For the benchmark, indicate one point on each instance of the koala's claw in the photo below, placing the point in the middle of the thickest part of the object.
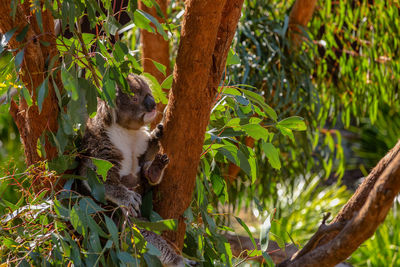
(162, 159)
(132, 205)
(159, 131)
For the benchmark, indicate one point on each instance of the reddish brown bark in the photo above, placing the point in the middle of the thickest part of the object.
(29, 121)
(365, 211)
(205, 39)
(300, 15)
(154, 47)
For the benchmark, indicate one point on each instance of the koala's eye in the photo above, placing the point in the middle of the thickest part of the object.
(135, 99)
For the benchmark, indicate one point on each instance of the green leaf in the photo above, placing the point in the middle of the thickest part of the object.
(256, 131)
(102, 167)
(152, 260)
(18, 58)
(96, 185)
(160, 67)
(39, 18)
(77, 220)
(142, 21)
(233, 122)
(254, 97)
(8, 35)
(159, 94)
(20, 37)
(285, 131)
(272, 154)
(294, 123)
(231, 91)
(158, 226)
(90, 94)
(27, 96)
(42, 92)
(112, 229)
(146, 19)
(167, 83)
(70, 83)
(125, 257)
(247, 231)
(232, 58)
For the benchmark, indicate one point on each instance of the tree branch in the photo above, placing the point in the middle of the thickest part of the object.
(364, 222)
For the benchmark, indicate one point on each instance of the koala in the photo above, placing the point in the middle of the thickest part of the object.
(119, 135)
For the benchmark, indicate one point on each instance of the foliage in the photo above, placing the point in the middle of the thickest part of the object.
(45, 229)
(357, 68)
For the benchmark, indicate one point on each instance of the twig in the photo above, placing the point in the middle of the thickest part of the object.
(86, 53)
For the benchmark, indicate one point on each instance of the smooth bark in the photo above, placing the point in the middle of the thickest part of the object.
(207, 32)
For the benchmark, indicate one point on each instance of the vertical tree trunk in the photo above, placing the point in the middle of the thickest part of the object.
(154, 47)
(31, 124)
(207, 32)
(300, 15)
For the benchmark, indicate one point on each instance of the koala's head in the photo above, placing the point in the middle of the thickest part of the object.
(135, 110)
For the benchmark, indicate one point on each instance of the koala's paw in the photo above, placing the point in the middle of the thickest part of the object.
(154, 172)
(161, 160)
(132, 204)
(159, 131)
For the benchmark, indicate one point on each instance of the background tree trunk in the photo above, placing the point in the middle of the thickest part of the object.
(31, 124)
(300, 15)
(207, 32)
(154, 47)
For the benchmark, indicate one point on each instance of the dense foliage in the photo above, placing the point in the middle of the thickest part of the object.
(281, 115)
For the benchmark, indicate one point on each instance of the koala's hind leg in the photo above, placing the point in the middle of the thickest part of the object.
(168, 256)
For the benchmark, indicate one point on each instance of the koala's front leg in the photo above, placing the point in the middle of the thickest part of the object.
(153, 146)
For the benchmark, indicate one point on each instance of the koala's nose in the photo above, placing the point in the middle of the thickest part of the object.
(149, 103)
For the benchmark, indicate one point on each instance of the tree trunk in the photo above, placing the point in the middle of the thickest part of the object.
(154, 47)
(207, 31)
(31, 124)
(300, 15)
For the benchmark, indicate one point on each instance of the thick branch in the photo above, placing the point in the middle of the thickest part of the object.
(205, 40)
(365, 222)
(188, 110)
(363, 191)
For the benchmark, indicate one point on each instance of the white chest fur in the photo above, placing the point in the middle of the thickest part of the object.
(132, 144)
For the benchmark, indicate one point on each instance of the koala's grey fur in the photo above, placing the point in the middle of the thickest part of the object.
(120, 136)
